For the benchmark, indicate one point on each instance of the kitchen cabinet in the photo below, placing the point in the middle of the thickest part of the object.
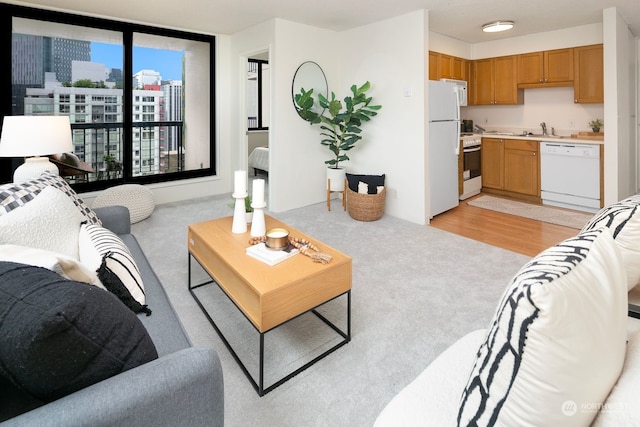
(442, 66)
(492, 163)
(546, 69)
(494, 81)
(511, 167)
(588, 85)
(522, 167)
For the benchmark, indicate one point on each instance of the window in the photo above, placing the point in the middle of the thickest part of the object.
(257, 94)
(69, 65)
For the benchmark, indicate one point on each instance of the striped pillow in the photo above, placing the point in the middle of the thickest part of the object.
(103, 251)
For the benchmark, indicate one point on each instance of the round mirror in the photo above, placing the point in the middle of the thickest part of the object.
(309, 76)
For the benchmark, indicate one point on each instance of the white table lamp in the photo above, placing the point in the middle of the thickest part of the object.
(32, 137)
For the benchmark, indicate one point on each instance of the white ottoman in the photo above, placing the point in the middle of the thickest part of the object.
(137, 198)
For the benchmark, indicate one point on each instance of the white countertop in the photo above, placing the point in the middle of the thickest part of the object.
(548, 138)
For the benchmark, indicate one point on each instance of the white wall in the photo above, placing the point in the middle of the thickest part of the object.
(391, 55)
(393, 142)
(620, 93)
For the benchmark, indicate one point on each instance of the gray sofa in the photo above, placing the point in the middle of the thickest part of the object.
(184, 386)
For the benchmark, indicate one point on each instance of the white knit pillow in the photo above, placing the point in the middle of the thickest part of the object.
(557, 340)
(50, 221)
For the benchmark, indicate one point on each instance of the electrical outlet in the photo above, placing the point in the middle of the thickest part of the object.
(392, 193)
(572, 123)
(486, 121)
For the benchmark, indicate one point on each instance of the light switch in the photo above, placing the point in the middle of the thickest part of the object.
(406, 91)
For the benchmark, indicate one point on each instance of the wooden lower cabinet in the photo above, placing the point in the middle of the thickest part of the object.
(522, 167)
(493, 163)
(511, 167)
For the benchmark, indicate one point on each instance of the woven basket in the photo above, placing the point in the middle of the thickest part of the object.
(366, 207)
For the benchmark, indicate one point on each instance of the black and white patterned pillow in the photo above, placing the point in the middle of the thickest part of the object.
(623, 219)
(103, 251)
(15, 195)
(557, 339)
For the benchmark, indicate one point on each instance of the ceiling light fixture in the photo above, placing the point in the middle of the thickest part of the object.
(497, 26)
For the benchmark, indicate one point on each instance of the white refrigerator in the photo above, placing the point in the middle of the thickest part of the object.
(444, 146)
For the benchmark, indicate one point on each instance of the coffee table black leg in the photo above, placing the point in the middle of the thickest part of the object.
(261, 385)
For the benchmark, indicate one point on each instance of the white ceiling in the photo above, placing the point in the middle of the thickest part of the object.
(459, 19)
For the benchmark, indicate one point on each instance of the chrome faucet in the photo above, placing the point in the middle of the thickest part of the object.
(544, 128)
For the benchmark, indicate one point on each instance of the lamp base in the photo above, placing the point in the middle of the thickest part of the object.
(32, 168)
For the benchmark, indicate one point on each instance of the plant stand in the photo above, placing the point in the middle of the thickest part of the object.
(343, 192)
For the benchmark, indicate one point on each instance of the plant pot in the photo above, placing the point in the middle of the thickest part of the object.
(249, 216)
(595, 129)
(336, 177)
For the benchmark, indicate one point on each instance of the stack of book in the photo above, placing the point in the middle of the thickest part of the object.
(269, 256)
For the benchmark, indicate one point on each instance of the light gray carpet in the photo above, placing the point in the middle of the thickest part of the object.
(416, 290)
(553, 215)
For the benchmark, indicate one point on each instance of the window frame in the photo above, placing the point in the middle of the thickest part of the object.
(8, 12)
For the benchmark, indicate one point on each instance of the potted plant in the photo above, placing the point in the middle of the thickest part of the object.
(596, 124)
(112, 163)
(341, 124)
(247, 208)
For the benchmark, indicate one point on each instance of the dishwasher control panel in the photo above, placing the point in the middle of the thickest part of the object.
(580, 150)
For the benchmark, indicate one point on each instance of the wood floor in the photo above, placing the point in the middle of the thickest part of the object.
(517, 234)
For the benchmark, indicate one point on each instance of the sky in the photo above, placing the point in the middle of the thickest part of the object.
(167, 62)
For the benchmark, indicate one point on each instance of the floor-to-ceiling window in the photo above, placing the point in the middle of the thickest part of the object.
(140, 99)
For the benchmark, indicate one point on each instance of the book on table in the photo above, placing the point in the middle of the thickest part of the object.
(270, 256)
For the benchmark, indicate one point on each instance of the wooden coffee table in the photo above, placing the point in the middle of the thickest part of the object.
(268, 296)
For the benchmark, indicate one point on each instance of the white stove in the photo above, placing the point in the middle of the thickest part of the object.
(472, 164)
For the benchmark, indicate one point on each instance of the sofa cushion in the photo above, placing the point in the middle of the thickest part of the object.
(59, 336)
(623, 219)
(15, 195)
(621, 407)
(372, 181)
(557, 339)
(50, 221)
(432, 398)
(103, 251)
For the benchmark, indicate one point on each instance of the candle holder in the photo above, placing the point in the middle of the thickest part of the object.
(258, 227)
(239, 225)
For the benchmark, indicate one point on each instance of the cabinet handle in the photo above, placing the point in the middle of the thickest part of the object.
(534, 153)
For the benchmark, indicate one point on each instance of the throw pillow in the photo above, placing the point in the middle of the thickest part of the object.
(67, 267)
(623, 219)
(15, 195)
(59, 336)
(50, 221)
(103, 251)
(557, 339)
(373, 182)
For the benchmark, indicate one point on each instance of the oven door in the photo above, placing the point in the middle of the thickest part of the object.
(471, 162)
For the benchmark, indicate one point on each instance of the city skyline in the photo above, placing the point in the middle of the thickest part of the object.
(167, 62)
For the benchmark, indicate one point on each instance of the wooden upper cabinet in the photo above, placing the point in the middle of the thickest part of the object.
(544, 69)
(494, 81)
(443, 66)
(588, 86)
(434, 65)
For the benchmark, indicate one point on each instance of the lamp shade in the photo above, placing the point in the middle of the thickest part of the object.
(26, 136)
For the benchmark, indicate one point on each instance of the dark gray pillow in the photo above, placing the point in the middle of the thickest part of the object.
(373, 181)
(59, 336)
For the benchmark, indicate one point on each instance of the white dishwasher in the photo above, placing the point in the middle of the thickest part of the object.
(570, 175)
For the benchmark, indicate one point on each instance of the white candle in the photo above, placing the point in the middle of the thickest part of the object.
(258, 192)
(240, 182)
